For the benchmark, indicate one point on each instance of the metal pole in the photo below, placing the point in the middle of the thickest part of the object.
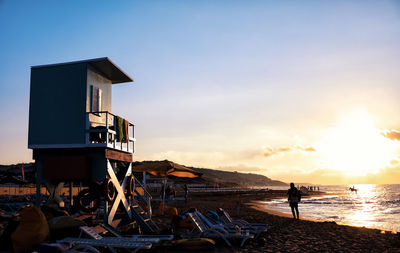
(38, 194)
(71, 199)
(163, 200)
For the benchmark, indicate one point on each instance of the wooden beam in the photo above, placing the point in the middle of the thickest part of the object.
(118, 155)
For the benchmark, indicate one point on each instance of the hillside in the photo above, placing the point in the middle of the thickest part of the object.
(224, 178)
(237, 178)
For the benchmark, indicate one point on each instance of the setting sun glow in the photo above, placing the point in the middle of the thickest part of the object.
(355, 146)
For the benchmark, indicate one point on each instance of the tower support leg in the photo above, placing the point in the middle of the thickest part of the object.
(120, 198)
(55, 191)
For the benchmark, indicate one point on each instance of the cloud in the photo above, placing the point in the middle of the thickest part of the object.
(268, 151)
(388, 175)
(392, 134)
(313, 176)
(306, 149)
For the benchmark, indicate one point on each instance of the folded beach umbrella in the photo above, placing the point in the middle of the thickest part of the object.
(165, 168)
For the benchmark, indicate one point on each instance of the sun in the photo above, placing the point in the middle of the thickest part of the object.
(355, 146)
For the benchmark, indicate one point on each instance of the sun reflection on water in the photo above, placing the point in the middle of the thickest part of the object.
(373, 206)
(364, 208)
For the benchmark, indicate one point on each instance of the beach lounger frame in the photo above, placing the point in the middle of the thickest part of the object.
(110, 243)
(132, 243)
(217, 231)
(118, 237)
(231, 227)
(254, 228)
(200, 230)
(154, 238)
(230, 220)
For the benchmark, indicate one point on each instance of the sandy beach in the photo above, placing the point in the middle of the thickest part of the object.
(285, 234)
(288, 235)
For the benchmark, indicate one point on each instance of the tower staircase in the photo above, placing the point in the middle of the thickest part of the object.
(141, 210)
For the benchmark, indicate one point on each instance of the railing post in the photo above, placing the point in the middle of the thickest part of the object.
(107, 120)
(87, 128)
(133, 136)
(107, 137)
(111, 140)
(114, 137)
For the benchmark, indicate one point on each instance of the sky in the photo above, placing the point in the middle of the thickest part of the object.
(297, 91)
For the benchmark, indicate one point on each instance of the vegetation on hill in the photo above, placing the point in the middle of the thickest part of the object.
(222, 178)
(236, 178)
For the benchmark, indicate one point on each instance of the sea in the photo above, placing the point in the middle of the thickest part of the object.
(372, 206)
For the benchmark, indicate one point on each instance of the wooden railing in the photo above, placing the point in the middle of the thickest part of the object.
(101, 131)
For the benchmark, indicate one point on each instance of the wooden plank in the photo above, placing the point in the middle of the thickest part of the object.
(118, 155)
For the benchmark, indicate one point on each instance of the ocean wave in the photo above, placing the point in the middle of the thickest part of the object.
(379, 207)
(394, 202)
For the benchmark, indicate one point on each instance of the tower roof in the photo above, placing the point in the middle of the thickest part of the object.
(104, 65)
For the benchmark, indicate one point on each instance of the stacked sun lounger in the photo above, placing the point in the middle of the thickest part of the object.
(133, 243)
(226, 220)
(205, 229)
(110, 243)
(229, 219)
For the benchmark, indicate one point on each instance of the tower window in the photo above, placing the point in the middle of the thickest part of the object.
(96, 99)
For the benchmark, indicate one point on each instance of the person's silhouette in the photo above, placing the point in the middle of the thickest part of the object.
(294, 198)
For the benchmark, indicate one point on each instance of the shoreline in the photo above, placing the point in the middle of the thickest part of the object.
(263, 207)
(304, 235)
(256, 205)
(286, 234)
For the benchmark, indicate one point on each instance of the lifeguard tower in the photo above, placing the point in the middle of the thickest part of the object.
(76, 138)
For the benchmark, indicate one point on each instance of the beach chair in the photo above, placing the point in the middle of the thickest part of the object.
(133, 244)
(152, 238)
(230, 227)
(227, 219)
(106, 242)
(201, 230)
(254, 228)
(218, 231)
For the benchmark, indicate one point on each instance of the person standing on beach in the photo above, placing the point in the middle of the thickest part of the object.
(294, 197)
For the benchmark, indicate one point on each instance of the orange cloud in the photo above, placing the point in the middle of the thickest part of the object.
(268, 151)
(307, 149)
(388, 175)
(392, 134)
